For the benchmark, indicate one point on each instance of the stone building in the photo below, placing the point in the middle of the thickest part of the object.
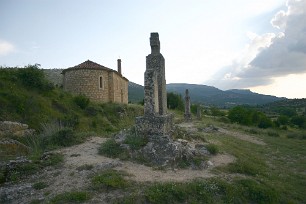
(98, 83)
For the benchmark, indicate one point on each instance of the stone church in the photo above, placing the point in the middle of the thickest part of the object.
(98, 83)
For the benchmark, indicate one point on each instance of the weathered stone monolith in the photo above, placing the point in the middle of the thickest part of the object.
(156, 125)
(199, 113)
(187, 114)
(155, 121)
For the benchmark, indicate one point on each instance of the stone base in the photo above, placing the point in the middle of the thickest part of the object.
(187, 117)
(151, 126)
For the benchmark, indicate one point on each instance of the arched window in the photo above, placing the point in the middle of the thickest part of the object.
(101, 82)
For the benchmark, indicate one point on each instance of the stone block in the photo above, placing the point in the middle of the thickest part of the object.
(154, 125)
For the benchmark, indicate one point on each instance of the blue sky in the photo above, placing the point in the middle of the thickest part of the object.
(255, 44)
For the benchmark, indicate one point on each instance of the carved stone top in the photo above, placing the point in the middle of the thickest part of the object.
(154, 43)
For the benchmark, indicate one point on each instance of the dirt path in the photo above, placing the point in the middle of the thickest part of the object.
(72, 176)
(191, 127)
(87, 153)
(241, 136)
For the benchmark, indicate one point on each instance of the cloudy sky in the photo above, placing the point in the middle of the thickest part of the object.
(254, 44)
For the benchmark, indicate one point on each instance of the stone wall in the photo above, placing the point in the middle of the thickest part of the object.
(87, 82)
(120, 88)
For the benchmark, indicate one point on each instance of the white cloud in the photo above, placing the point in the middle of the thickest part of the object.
(272, 54)
(6, 48)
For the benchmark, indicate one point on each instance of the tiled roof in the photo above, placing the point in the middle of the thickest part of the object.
(90, 65)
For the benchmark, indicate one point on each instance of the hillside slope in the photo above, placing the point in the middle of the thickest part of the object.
(208, 95)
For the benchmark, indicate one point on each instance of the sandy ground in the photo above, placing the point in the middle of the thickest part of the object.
(69, 176)
(88, 154)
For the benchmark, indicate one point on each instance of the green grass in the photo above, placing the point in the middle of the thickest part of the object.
(71, 197)
(212, 148)
(23, 170)
(39, 185)
(212, 191)
(109, 179)
(134, 141)
(110, 149)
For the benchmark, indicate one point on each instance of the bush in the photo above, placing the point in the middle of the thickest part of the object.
(82, 101)
(299, 121)
(71, 197)
(175, 101)
(39, 185)
(273, 134)
(296, 135)
(32, 77)
(212, 148)
(110, 149)
(109, 179)
(64, 138)
(265, 122)
(135, 142)
(247, 116)
(216, 111)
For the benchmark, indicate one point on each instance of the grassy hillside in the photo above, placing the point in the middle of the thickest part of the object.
(268, 165)
(136, 93)
(28, 97)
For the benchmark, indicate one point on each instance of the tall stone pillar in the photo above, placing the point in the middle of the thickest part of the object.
(155, 99)
(187, 114)
(199, 112)
(155, 120)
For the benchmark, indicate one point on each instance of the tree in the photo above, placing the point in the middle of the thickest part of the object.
(174, 101)
(300, 121)
(240, 115)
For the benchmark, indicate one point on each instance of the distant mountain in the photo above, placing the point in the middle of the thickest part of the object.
(209, 95)
(203, 94)
(136, 92)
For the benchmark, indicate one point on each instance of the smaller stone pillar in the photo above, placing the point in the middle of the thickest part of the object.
(187, 114)
(199, 113)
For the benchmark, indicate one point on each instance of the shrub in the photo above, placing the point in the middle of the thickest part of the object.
(166, 192)
(299, 121)
(110, 149)
(296, 135)
(32, 77)
(265, 122)
(175, 101)
(135, 142)
(273, 134)
(39, 185)
(239, 115)
(109, 179)
(212, 148)
(216, 111)
(64, 138)
(71, 197)
(82, 101)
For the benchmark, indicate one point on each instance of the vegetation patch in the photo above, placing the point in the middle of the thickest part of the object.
(212, 148)
(71, 197)
(109, 179)
(211, 191)
(111, 148)
(85, 167)
(39, 185)
(273, 134)
(134, 141)
(296, 135)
